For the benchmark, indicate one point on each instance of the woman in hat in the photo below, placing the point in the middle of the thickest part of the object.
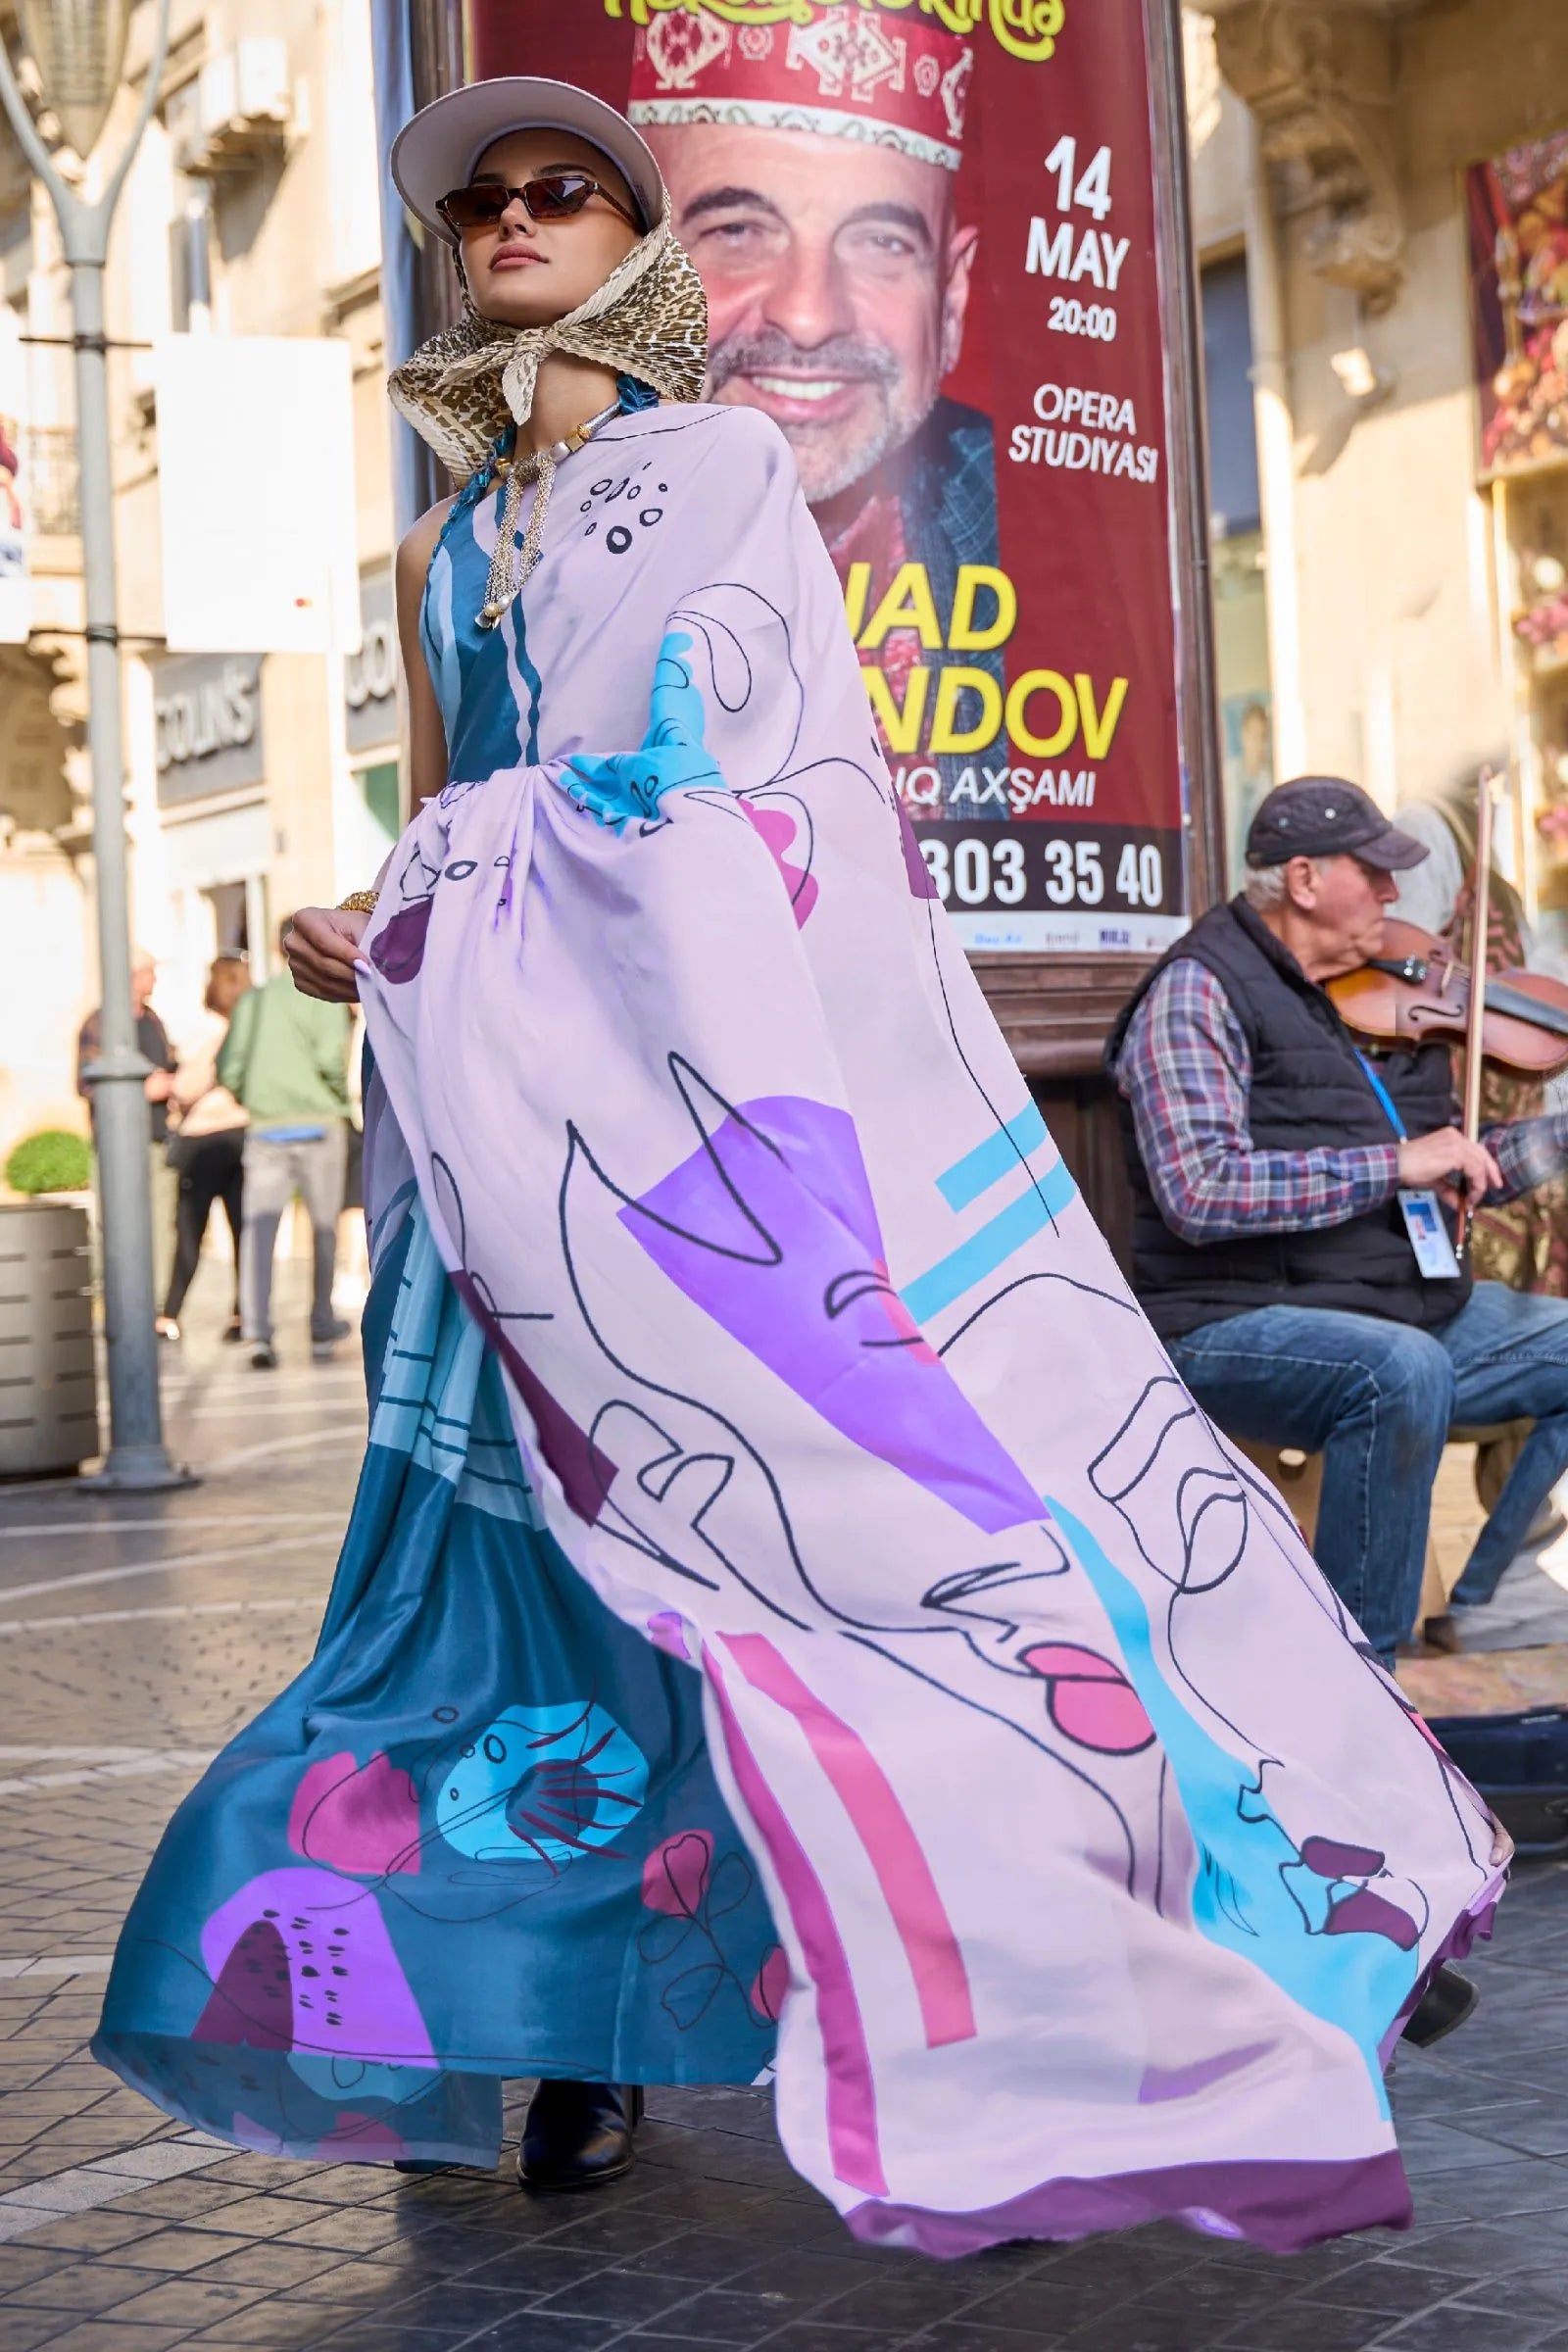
(787, 1580)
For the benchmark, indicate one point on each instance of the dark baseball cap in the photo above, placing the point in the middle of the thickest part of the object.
(1323, 816)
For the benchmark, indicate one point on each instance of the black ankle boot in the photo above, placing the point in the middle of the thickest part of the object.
(1442, 2009)
(579, 2134)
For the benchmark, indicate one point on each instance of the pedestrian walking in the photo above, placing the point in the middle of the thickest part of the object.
(285, 1062)
(207, 1150)
(790, 1601)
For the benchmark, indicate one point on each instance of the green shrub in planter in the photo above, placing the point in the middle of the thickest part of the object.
(54, 1161)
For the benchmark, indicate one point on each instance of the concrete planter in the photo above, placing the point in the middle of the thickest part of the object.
(48, 1374)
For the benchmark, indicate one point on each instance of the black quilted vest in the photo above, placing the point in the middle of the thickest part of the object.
(1308, 1091)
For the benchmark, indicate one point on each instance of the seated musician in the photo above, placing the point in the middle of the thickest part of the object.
(1295, 1207)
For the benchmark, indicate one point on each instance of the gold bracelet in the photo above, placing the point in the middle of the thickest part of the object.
(357, 902)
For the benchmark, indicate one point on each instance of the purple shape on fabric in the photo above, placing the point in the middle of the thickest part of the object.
(666, 1631)
(398, 947)
(817, 1307)
(1328, 1858)
(854, 2148)
(584, 1472)
(1367, 1913)
(347, 1993)
(778, 830)
(1161, 2084)
(922, 882)
(1283, 2207)
(360, 1817)
(252, 2000)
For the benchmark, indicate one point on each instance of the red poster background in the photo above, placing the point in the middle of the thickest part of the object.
(1085, 540)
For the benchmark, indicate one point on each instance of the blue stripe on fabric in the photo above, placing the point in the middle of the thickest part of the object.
(995, 1243)
(532, 680)
(1252, 1894)
(442, 656)
(987, 1165)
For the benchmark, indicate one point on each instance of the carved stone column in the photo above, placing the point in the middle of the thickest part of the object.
(1320, 78)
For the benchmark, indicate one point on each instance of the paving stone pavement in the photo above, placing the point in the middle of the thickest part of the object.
(139, 1631)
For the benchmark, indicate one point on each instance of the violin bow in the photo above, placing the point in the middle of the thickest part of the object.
(1479, 928)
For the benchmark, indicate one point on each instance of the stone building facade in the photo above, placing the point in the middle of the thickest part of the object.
(255, 781)
(1333, 140)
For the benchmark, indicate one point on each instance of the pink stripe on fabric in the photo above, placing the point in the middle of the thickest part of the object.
(852, 2133)
(884, 1829)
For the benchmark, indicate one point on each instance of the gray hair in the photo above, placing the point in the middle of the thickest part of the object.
(1264, 887)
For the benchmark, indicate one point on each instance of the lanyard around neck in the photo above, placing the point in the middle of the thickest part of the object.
(1383, 1096)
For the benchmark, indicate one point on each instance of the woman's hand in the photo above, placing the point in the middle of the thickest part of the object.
(322, 947)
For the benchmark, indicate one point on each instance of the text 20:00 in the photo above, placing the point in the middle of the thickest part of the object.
(1072, 317)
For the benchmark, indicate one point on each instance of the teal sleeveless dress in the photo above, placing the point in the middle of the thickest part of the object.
(479, 1836)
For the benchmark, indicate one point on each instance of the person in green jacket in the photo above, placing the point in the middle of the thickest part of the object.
(286, 1059)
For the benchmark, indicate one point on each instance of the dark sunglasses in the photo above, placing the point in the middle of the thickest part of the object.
(553, 196)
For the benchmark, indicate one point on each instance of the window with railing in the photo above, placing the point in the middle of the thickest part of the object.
(52, 480)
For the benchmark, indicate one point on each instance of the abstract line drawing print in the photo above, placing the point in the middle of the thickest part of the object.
(691, 1893)
(696, 1495)
(583, 1471)
(397, 949)
(436, 1403)
(474, 1823)
(769, 1226)
(642, 501)
(542, 1784)
(1198, 1523)
(742, 672)
(1287, 1901)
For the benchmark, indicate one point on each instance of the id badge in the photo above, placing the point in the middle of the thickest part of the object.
(1429, 1236)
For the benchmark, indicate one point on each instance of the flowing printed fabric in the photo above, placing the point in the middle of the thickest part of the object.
(477, 1837)
(1104, 1860)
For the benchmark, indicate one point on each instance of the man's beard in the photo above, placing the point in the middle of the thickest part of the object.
(829, 461)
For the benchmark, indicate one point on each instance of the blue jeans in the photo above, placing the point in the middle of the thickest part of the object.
(1377, 1400)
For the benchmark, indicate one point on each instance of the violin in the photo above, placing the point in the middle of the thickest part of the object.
(1416, 991)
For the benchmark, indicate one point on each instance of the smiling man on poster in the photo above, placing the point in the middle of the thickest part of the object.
(813, 171)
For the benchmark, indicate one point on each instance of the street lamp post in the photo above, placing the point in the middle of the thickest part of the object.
(79, 48)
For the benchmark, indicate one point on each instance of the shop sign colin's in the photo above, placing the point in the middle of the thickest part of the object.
(926, 228)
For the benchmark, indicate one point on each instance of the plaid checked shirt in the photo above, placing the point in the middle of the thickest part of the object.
(1186, 1071)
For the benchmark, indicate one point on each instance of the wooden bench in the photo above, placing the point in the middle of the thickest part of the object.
(1299, 1477)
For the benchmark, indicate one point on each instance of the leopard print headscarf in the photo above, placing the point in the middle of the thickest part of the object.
(469, 382)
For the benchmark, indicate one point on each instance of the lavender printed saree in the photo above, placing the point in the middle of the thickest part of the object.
(1102, 1860)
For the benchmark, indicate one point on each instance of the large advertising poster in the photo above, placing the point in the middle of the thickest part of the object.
(927, 232)
(1517, 205)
